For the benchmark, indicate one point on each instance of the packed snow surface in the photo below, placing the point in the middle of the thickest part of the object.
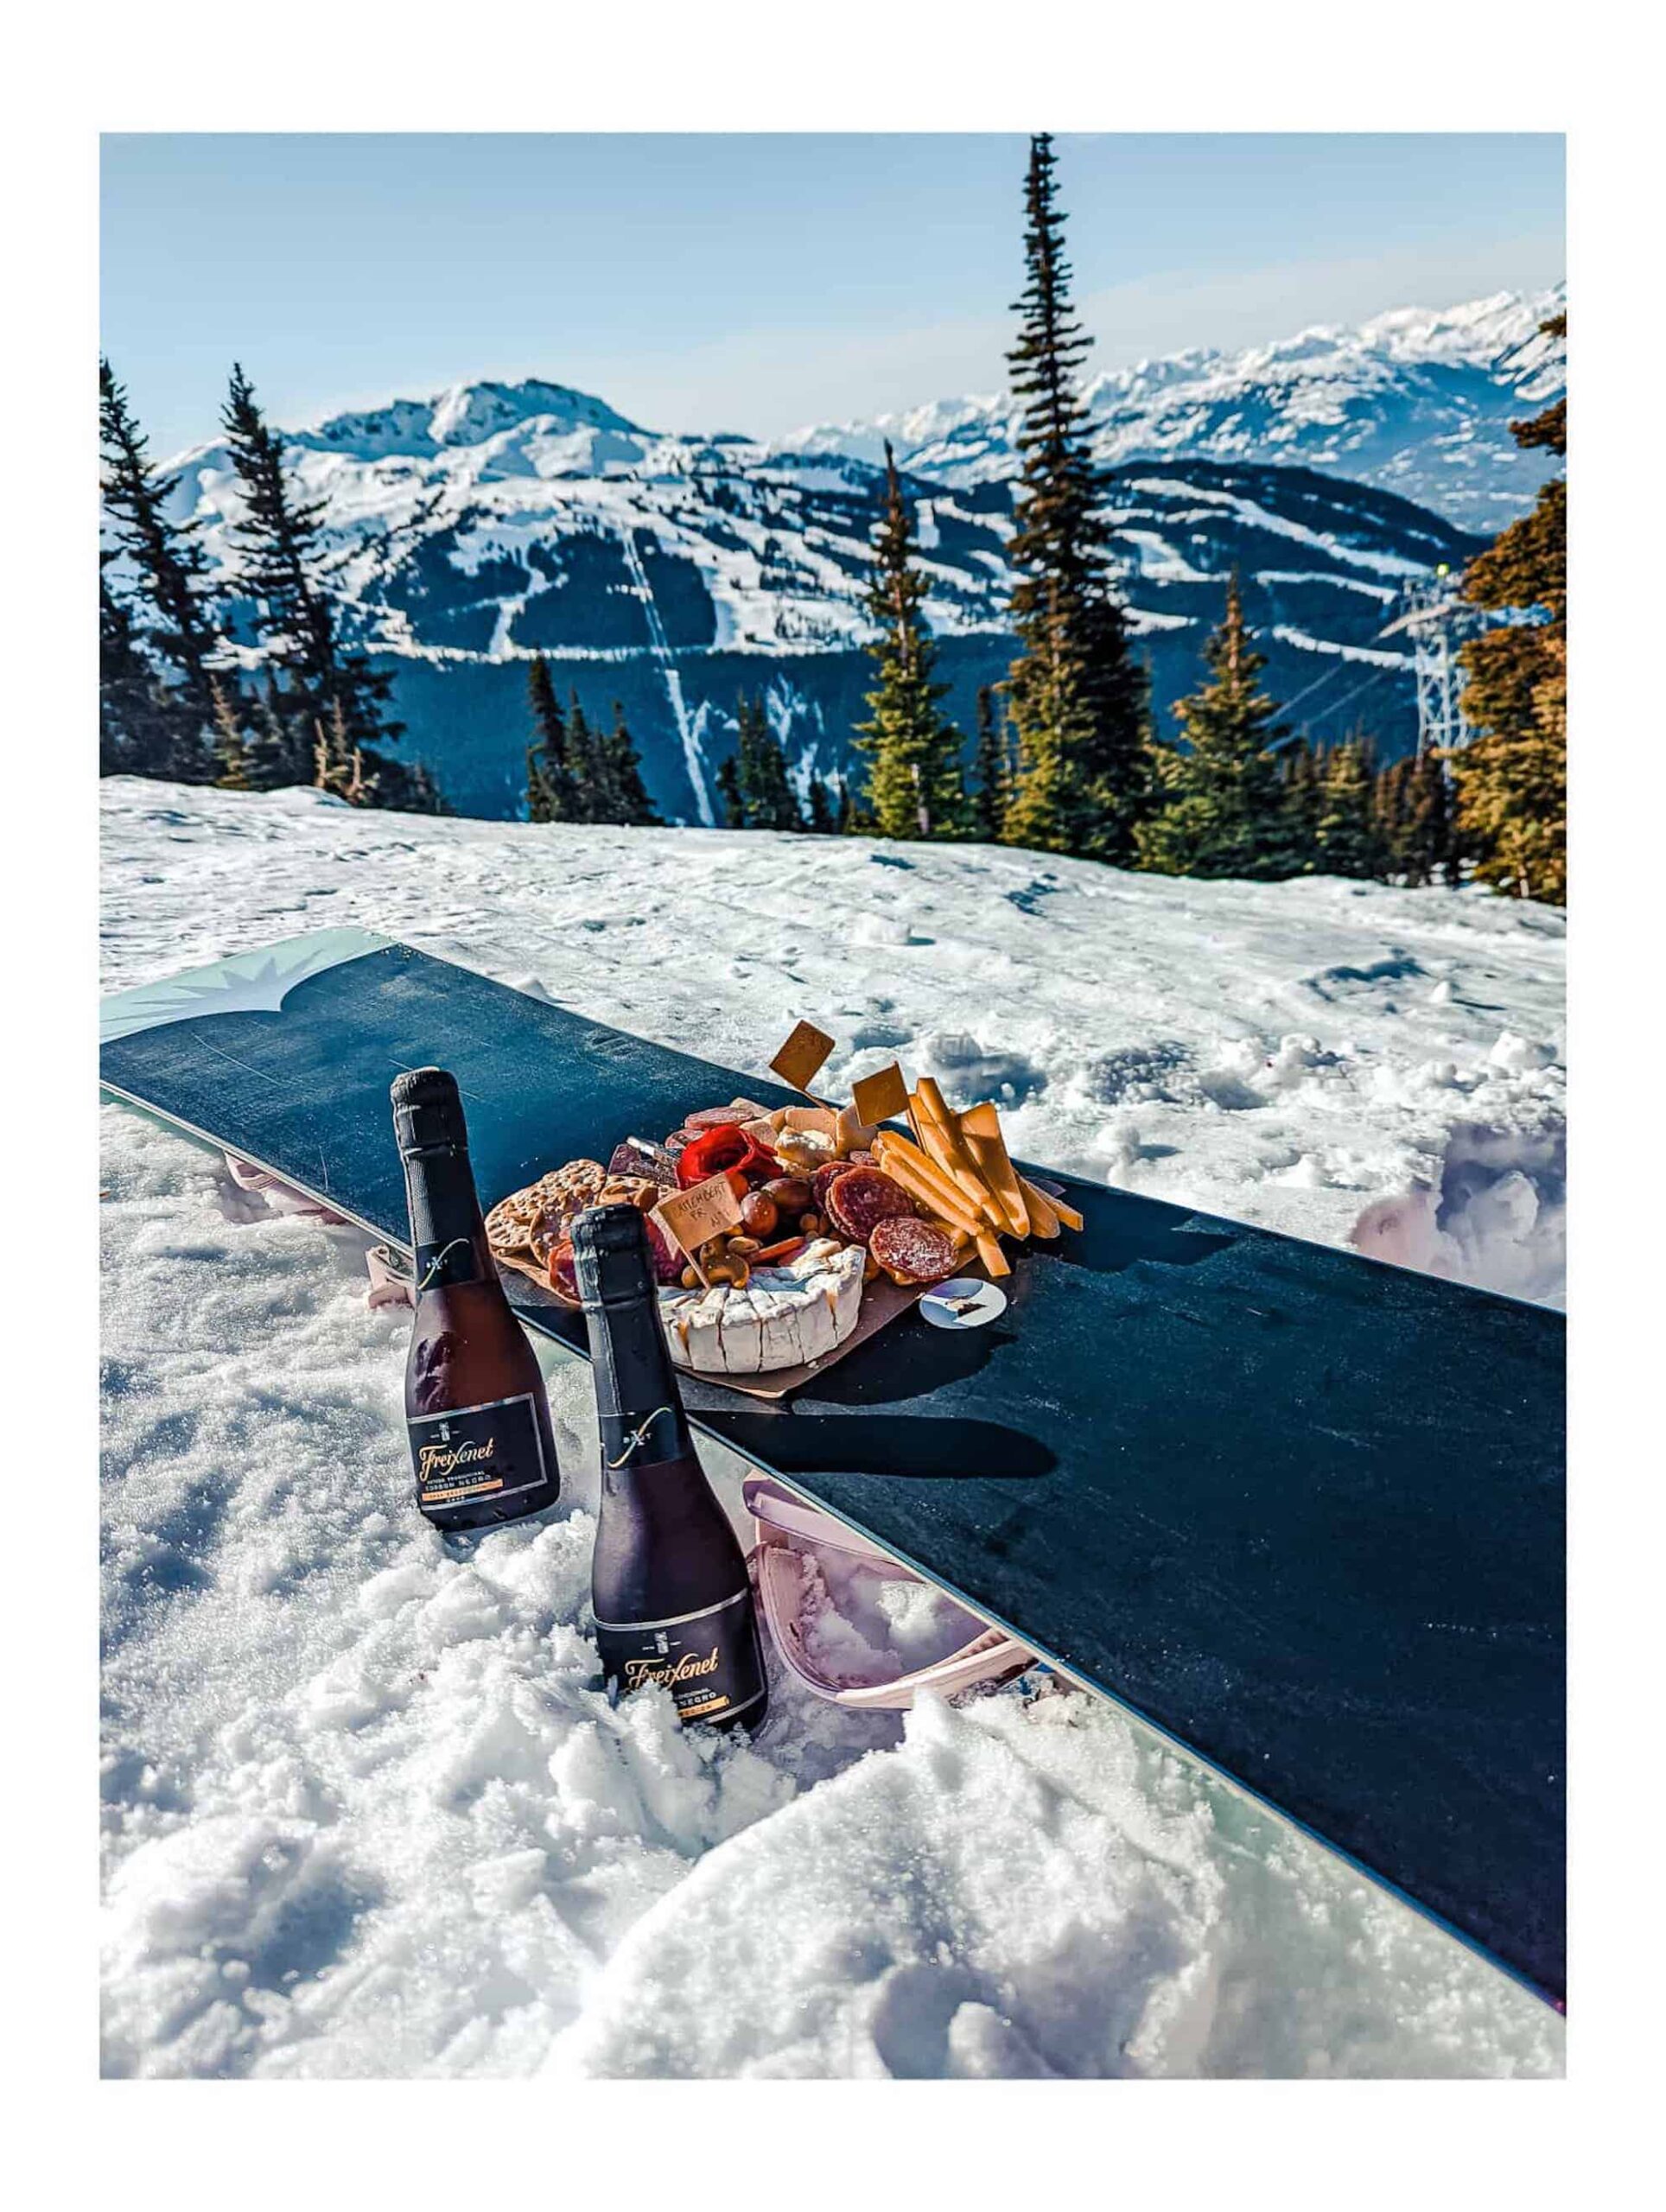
(365, 1811)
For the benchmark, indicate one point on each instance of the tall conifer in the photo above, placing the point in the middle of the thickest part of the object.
(621, 766)
(231, 742)
(170, 565)
(137, 723)
(729, 791)
(1349, 844)
(280, 540)
(821, 820)
(914, 786)
(551, 788)
(1224, 808)
(990, 793)
(1077, 695)
(766, 793)
(1511, 778)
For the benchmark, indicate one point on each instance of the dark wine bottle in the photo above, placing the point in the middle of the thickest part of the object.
(668, 1579)
(481, 1446)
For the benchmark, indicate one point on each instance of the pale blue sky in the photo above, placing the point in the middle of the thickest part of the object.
(760, 283)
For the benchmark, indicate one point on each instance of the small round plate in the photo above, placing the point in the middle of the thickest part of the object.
(966, 1303)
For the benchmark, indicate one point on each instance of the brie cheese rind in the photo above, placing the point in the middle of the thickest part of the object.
(785, 1316)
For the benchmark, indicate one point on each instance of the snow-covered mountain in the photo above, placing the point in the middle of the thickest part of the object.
(1417, 401)
(670, 572)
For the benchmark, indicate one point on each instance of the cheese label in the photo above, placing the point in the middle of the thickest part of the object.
(692, 1218)
(803, 1053)
(880, 1097)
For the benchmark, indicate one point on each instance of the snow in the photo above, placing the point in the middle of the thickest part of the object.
(366, 1813)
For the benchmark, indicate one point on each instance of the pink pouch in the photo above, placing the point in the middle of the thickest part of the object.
(785, 1528)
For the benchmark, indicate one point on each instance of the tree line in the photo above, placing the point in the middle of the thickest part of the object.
(1065, 757)
(1069, 761)
(177, 695)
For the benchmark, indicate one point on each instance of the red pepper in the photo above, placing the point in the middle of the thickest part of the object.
(726, 1151)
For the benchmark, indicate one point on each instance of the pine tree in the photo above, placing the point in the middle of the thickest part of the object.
(1347, 834)
(1428, 846)
(1299, 775)
(551, 788)
(231, 745)
(765, 794)
(334, 765)
(821, 823)
(1511, 778)
(914, 786)
(990, 789)
(621, 767)
(1078, 696)
(729, 791)
(590, 795)
(170, 563)
(137, 719)
(280, 745)
(1390, 810)
(844, 820)
(1224, 808)
(280, 540)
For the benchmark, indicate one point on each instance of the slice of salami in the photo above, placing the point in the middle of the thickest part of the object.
(860, 1199)
(719, 1117)
(824, 1176)
(911, 1250)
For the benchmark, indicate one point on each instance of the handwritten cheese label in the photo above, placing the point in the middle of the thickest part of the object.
(804, 1052)
(880, 1097)
(692, 1218)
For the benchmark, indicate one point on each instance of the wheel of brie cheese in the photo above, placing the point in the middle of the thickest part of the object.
(784, 1316)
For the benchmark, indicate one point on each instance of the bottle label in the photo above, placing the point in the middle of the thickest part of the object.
(490, 1451)
(711, 1661)
(454, 1261)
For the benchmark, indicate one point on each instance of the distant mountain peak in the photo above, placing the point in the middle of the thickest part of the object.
(1416, 399)
(463, 415)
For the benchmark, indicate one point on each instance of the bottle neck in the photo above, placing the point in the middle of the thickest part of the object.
(637, 1403)
(448, 1235)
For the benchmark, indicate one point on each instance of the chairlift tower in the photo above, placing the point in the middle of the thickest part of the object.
(1436, 618)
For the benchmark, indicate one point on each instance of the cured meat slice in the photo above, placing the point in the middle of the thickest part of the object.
(718, 1117)
(823, 1177)
(911, 1250)
(641, 1156)
(860, 1199)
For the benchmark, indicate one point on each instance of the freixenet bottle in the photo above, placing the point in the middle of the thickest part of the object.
(480, 1440)
(668, 1580)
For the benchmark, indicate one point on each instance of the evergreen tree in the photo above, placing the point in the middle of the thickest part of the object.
(1078, 696)
(729, 791)
(990, 791)
(551, 789)
(844, 820)
(334, 768)
(137, 719)
(915, 786)
(621, 777)
(280, 745)
(1390, 814)
(283, 567)
(765, 794)
(590, 796)
(231, 745)
(1224, 808)
(1427, 847)
(1300, 774)
(1511, 778)
(168, 562)
(822, 822)
(1347, 834)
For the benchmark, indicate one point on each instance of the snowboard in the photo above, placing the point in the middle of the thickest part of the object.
(1299, 1510)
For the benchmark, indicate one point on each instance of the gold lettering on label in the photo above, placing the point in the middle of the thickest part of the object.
(638, 1671)
(439, 1459)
